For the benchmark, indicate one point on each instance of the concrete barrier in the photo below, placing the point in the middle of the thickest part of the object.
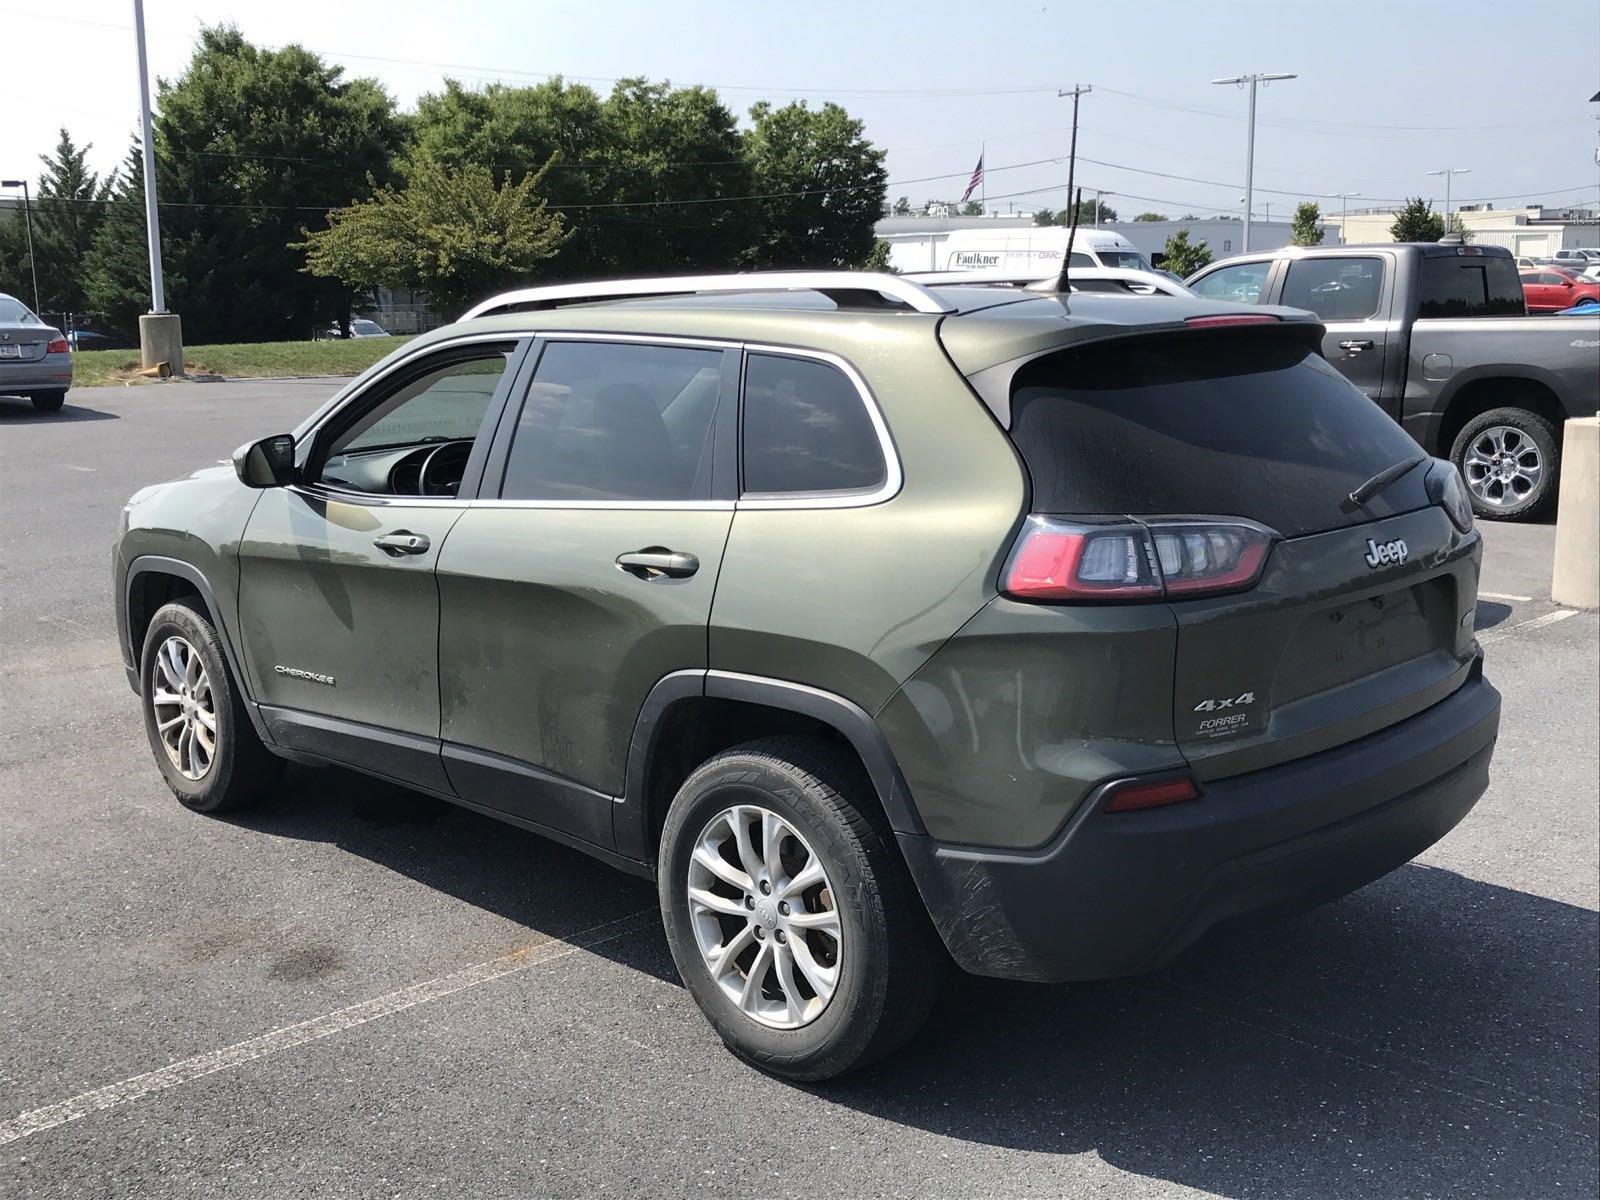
(1575, 582)
(161, 341)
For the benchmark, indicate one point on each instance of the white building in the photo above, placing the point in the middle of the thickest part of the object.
(1534, 231)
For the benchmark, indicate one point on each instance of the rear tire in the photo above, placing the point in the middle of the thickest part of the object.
(1510, 459)
(49, 401)
(204, 744)
(887, 963)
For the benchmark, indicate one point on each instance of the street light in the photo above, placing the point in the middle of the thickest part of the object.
(27, 216)
(1449, 173)
(1250, 138)
(1094, 218)
(1343, 196)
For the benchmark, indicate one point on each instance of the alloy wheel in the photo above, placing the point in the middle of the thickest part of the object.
(764, 917)
(185, 711)
(1503, 466)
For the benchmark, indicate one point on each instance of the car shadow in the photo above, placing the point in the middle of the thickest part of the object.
(1429, 1035)
(20, 411)
(1489, 614)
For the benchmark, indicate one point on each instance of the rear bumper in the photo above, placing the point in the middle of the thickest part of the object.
(1120, 894)
(49, 374)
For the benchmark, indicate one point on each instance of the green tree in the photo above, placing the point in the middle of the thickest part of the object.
(14, 280)
(252, 145)
(1307, 226)
(972, 208)
(902, 207)
(1044, 216)
(116, 272)
(1092, 212)
(1417, 222)
(822, 184)
(650, 177)
(69, 204)
(878, 260)
(1183, 259)
(1151, 216)
(452, 233)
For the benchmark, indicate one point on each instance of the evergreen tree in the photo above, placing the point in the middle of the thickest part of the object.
(69, 205)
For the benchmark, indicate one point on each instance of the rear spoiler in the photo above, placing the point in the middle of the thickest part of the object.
(993, 383)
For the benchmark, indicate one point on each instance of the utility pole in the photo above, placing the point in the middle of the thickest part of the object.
(1250, 138)
(1078, 91)
(27, 216)
(160, 332)
(1344, 237)
(1449, 173)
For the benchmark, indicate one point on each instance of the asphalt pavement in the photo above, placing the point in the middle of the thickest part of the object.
(357, 991)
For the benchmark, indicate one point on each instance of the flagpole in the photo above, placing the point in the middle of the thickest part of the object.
(983, 181)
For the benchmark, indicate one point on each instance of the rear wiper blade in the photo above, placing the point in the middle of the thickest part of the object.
(1381, 480)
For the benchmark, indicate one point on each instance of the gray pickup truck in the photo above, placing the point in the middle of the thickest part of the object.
(1438, 334)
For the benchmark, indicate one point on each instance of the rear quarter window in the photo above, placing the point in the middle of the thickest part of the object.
(1469, 286)
(1218, 424)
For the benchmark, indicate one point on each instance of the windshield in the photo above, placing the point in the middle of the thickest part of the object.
(15, 312)
(367, 327)
(1131, 259)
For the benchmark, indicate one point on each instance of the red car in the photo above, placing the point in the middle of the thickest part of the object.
(1550, 289)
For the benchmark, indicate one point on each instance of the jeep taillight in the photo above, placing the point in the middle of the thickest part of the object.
(1146, 559)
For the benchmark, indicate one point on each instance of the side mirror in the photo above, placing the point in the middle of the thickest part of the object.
(267, 463)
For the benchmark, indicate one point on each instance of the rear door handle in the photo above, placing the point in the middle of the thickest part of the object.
(402, 541)
(654, 562)
(1356, 345)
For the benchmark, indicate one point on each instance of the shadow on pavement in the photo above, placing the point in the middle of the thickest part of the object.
(1489, 614)
(15, 411)
(1430, 1035)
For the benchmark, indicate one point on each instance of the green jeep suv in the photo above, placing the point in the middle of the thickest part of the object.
(882, 624)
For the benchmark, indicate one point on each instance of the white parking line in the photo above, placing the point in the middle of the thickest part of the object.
(289, 1036)
(1505, 631)
(1505, 596)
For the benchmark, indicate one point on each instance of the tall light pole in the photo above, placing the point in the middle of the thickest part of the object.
(160, 332)
(1343, 196)
(1449, 173)
(27, 216)
(1098, 192)
(1250, 138)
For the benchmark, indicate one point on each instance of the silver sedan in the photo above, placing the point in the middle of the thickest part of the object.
(35, 360)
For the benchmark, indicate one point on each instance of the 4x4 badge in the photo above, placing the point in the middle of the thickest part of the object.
(1383, 553)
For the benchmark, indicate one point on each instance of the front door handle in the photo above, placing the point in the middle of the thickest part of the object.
(655, 562)
(402, 541)
(1356, 345)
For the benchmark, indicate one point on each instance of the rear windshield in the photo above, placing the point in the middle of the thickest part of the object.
(1216, 424)
(1470, 286)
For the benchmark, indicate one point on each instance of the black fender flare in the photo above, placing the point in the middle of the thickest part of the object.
(162, 565)
(848, 719)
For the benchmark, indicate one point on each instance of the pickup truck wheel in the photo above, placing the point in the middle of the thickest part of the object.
(790, 915)
(49, 401)
(201, 735)
(1510, 459)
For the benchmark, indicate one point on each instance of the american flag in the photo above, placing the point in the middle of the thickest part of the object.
(977, 178)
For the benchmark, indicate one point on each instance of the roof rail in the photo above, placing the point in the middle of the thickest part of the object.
(1098, 279)
(843, 287)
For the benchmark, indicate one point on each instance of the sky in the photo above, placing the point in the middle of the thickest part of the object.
(1385, 91)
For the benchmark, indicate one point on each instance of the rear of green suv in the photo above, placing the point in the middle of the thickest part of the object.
(882, 625)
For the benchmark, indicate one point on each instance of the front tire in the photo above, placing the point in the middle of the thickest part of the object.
(1510, 459)
(49, 401)
(791, 917)
(204, 744)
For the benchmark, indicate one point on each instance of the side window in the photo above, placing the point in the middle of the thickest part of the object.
(805, 428)
(1470, 285)
(416, 437)
(616, 421)
(1080, 259)
(1336, 289)
(1241, 284)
